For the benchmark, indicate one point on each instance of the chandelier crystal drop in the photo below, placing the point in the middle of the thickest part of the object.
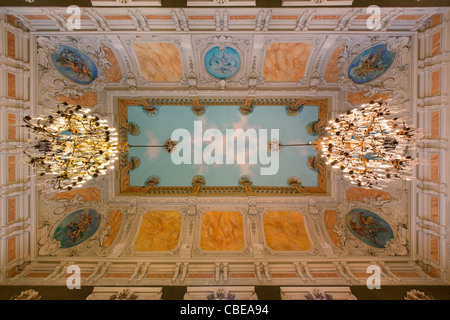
(70, 147)
(369, 146)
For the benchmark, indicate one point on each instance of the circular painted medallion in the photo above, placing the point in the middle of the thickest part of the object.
(369, 227)
(74, 64)
(77, 227)
(370, 64)
(222, 64)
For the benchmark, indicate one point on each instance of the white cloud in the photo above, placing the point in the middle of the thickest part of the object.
(153, 153)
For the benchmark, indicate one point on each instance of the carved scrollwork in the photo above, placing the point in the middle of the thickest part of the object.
(49, 246)
(392, 211)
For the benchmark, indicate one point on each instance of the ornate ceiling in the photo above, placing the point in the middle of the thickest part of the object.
(188, 234)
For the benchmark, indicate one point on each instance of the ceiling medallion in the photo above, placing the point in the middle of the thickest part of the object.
(368, 146)
(170, 145)
(74, 64)
(222, 62)
(70, 146)
(370, 64)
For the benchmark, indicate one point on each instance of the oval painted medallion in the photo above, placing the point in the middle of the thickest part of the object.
(369, 227)
(222, 64)
(74, 64)
(370, 64)
(77, 227)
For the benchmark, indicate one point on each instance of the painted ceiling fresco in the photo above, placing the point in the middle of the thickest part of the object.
(286, 61)
(158, 61)
(370, 64)
(369, 228)
(77, 228)
(75, 64)
(222, 231)
(159, 231)
(153, 84)
(285, 230)
(155, 130)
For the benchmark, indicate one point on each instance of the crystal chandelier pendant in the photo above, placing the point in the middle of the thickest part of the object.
(70, 147)
(369, 146)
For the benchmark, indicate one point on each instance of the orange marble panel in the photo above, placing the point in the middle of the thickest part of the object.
(11, 19)
(435, 20)
(159, 61)
(11, 85)
(326, 17)
(286, 61)
(434, 248)
(12, 132)
(361, 274)
(435, 82)
(118, 275)
(11, 245)
(409, 17)
(200, 275)
(115, 221)
(435, 124)
(406, 274)
(243, 17)
(11, 168)
(436, 43)
(331, 74)
(434, 208)
(434, 167)
(86, 194)
(117, 17)
(358, 194)
(38, 275)
(36, 17)
(11, 273)
(283, 17)
(11, 44)
(433, 272)
(83, 275)
(324, 275)
(361, 98)
(363, 17)
(12, 118)
(206, 17)
(112, 72)
(285, 230)
(12, 126)
(222, 231)
(159, 275)
(159, 231)
(158, 17)
(283, 275)
(242, 275)
(11, 205)
(87, 99)
(330, 220)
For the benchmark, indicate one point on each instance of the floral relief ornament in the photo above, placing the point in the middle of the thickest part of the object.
(27, 295)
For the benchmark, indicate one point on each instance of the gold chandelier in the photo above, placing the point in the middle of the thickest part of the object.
(369, 146)
(70, 146)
